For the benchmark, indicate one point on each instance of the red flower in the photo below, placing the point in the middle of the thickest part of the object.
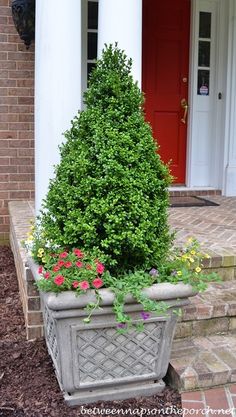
(59, 279)
(97, 282)
(46, 275)
(60, 263)
(68, 264)
(40, 270)
(79, 264)
(84, 285)
(88, 267)
(75, 284)
(63, 255)
(100, 268)
(56, 268)
(78, 253)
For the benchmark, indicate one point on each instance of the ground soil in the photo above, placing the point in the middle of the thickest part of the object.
(28, 387)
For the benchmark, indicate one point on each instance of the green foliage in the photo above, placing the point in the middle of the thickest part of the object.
(109, 195)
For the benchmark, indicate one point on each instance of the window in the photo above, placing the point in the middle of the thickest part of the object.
(204, 54)
(92, 34)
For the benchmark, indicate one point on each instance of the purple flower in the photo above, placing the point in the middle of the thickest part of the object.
(121, 325)
(145, 315)
(154, 272)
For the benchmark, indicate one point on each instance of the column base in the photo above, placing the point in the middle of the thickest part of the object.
(230, 181)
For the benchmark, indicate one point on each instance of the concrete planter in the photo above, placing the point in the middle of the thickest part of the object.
(93, 361)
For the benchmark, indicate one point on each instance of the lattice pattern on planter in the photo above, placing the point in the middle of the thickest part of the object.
(104, 354)
(50, 330)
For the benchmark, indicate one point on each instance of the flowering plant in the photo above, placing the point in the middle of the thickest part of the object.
(76, 270)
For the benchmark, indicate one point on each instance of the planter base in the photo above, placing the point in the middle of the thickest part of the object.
(114, 393)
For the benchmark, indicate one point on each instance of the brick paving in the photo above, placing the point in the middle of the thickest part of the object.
(214, 227)
(216, 401)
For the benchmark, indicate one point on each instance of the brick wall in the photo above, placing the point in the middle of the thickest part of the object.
(16, 118)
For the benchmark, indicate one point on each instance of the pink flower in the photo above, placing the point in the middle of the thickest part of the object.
(100, 268)
(63, 255)
(60, 263)
(68, 264)
(97, 282)
(79, 264)
(75, 284)
(56, 268)
(59, 279)
(46, 275)
(78, 253)
(84, 285)
(40, 270)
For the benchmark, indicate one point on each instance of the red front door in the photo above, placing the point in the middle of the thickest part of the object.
(166, 26)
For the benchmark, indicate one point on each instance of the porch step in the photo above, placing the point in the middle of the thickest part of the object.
(202, 362)
(204, 350)
(210, 312)
(182, 191)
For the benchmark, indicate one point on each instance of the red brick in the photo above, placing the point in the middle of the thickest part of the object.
(9, 100)
(13, 38)
(8, 152)
(19, 126)
(20, 177)
(7, 83)
(192, 396)
(10, 186)
(11, 65)
(29, 134)
(3, 109)
(25, 152)
(26, 118)
(26, 169)
(25, 100)
(216, 399)
(19, 143)
(232, 389)
(8, 169)
(20, 161)
(25, 83)
(4, 161)
(26, 186)
(8, 46)
(4, 143)
(19, 195)
(9, 118)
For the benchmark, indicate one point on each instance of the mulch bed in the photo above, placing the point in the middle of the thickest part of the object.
(28, 387)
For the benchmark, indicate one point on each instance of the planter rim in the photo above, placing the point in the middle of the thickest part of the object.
(68, 300)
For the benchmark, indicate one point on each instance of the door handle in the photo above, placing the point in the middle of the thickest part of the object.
(184, 106)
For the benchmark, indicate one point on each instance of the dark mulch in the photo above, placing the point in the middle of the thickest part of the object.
(28, 387)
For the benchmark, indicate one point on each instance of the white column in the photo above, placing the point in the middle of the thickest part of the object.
(121, 21)
(57, 82)
(230, 148)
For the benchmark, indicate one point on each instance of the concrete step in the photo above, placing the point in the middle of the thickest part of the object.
(210, 312)
(203, 362)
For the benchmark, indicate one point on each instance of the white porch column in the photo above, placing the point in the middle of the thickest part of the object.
(230, 150)
(57, 82)
(121, 21)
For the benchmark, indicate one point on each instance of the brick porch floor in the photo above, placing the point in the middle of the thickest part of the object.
(217, 401)
(214, 226)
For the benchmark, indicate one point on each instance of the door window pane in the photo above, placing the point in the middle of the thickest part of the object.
(204, 54)
(92, 15)
(92, 45)
(203, 82)
(205, 25)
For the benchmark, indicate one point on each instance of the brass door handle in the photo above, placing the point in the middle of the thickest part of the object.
(184, 106)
